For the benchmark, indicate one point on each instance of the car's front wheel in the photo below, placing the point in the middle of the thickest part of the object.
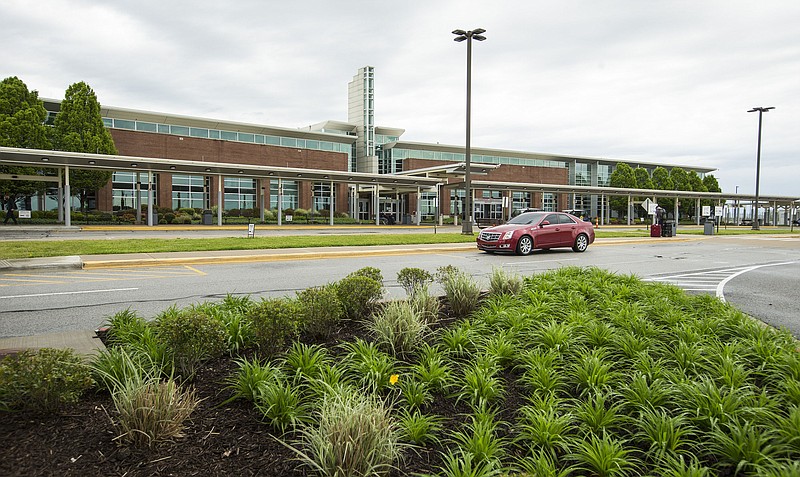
(524, 245)
(581, 243)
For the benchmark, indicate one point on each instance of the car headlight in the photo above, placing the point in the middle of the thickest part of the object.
(508, 235)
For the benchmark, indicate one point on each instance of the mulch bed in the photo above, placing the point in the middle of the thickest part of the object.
(221, 439)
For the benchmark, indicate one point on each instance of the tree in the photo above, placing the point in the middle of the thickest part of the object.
(622, 177)
(22, 118)
(643, 180)
(711, 183)
(79, 128)
(662, 181)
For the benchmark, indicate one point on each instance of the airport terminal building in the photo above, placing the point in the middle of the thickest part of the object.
(354, 146)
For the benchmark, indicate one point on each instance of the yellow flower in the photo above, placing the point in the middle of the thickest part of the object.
(393, 379)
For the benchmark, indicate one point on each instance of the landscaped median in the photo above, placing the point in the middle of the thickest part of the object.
(574, 372)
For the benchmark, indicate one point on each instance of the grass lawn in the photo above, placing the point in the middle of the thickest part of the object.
(32, 249)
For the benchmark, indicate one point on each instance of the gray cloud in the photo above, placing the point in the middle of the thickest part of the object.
(660, 81)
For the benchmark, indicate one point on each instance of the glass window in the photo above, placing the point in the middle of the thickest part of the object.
(240, 193)
(213, 133)
(123, 189)
(247, 137)
(124, 124)
(260, 139)
(275, 141)
(179, 130)
(189, 191)
(107, 122)
(143, 126)
(289, 142)
(290, 194)
(198, 132)
(163, 128)
(311, 144)
(229, 136)
(321, 193)
(565, 219)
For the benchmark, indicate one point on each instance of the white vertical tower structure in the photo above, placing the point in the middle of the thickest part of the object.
(361, 113)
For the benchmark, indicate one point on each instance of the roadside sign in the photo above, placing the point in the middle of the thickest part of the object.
(24, 214)
(646, 205)
(718, 211)
(251, 230)
(706, 211)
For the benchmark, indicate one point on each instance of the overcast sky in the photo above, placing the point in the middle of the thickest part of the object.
(666, 81)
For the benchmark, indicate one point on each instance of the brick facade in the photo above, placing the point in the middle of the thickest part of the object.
(144, 144)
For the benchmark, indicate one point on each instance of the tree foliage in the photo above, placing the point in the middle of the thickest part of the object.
(22, 117)
(79, 128)
(662, 181)
(622, 177)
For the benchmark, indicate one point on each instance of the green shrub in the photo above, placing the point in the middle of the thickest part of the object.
(371, 272)
(43, 380)
(192, 337)
(320, 310)
(357, 295)
(275, 322)
(352, 435)
(398, 328)
(418, 428)
(411, 278)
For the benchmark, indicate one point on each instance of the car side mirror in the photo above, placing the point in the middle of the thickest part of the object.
(543, 223)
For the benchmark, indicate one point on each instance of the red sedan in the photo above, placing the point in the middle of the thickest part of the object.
(543, 230)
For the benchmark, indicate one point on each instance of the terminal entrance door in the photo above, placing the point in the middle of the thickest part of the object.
(363, 210)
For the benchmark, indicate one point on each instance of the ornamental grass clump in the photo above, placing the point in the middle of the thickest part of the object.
(367, 365)
(426, 305)
(504, 283)
(398, 328)
(352, 434)
(45, 380)
(152, 411)
(463, 294)
(418, 428)
(251, 376)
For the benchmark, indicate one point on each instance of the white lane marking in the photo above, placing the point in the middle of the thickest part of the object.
(721, 287)
(70, 293)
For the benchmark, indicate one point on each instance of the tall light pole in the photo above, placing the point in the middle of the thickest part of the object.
(461, 35)
(736, 216)
(761, 111)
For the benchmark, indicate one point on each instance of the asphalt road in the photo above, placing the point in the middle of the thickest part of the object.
(741, 270)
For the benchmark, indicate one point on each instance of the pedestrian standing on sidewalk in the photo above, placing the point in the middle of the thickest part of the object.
(11, 204)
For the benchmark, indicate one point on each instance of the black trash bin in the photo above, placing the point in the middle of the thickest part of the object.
(668, 229)
(207, 217)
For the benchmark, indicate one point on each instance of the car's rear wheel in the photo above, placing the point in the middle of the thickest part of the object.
(581, 243)
(524, 245)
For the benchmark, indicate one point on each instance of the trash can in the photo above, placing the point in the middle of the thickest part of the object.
(708, 227)
(207, 217)
(406, 219)
(655, 230)
(668, 229)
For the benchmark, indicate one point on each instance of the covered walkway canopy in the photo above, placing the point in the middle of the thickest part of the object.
(62, 161)
(413, 181)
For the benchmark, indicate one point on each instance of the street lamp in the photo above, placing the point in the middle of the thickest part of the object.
(461, 35)
(761, 111)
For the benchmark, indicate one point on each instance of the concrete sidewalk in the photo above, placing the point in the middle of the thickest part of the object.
(83, 342)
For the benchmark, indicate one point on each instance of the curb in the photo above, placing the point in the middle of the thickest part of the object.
(67, 262)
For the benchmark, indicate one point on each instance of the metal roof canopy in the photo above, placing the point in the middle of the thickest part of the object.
(56, 159)
(595, 190)
(451, 170)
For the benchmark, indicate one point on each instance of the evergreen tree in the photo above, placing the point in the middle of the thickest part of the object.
(22, 118)
(79, 128)
(623, 177)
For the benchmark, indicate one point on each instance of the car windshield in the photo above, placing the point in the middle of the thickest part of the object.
(527, 218)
